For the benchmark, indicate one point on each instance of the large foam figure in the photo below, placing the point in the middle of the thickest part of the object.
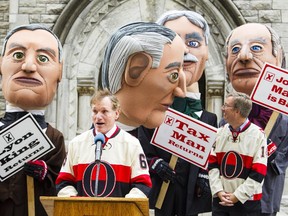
(248, 47)
(194, 32)
(188, 192)
(31, 68)
(142, 66)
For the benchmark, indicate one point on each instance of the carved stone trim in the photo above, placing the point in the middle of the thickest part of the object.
(85, 86)
(85, 90)
(215, 88)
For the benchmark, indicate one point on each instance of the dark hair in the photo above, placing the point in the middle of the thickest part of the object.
(31, 27)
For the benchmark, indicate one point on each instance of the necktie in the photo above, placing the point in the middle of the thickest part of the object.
(187, 106)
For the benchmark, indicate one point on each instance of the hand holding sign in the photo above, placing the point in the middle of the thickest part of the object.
(163, 170)
(36, 169)
(165, 185)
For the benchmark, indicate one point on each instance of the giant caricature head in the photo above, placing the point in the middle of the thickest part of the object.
(194, 31)
(248, 47)
(142, 66)
(30, 66)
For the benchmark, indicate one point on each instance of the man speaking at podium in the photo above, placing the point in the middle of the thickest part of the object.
(123, 170)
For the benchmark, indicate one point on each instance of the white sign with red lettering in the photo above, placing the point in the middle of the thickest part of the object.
(271, 89)
(21, 141)
(185, 137)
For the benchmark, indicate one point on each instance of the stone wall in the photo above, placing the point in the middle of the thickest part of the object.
(16, 12)
(272, 12)
(4, 17)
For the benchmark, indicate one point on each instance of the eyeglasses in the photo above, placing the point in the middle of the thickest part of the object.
(226, 105)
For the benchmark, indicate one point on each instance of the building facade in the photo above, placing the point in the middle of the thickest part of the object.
(84, 27)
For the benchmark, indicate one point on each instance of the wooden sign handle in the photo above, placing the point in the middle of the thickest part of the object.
(30, 196)
(165, 185)
(271, 123)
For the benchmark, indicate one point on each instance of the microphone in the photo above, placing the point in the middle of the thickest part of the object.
(99, 139)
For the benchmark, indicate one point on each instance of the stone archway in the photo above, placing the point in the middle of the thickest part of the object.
(85, 28)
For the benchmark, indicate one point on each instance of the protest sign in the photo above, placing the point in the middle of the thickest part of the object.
(21, 141)
(271, 89)
(185, 137)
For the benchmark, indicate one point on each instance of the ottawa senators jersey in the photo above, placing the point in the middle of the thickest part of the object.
(238, 162)
(123, 167)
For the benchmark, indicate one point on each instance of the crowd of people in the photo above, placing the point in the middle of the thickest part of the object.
(147, 68)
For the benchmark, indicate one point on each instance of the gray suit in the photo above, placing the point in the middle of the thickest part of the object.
(276, 167)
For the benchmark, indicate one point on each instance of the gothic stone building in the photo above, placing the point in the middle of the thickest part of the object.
(84, 27)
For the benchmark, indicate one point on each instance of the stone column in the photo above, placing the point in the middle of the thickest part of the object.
(2, 104)
(215, 95)
(85, 89)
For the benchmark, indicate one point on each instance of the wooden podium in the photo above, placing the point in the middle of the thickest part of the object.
(95, 206)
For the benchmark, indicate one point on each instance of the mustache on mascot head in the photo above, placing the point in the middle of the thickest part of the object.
(188, 57)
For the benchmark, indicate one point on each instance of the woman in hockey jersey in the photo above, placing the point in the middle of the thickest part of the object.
(238, 161)
(123, 169)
